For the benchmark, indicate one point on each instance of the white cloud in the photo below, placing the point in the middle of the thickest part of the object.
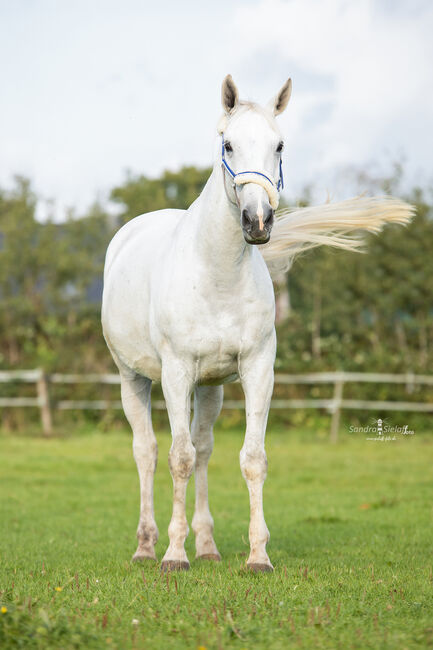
(91, 89)
(376, 98)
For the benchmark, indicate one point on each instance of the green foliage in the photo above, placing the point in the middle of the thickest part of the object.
(172, 190)
(46, 273)
(372, 311)
(350, 541)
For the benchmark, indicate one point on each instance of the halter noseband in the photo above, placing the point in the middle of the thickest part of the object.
(267, 183)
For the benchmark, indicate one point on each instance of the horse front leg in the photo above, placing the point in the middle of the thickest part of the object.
(257, 378)
(181, 459)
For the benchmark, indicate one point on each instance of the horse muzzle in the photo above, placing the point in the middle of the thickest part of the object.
(257, 228)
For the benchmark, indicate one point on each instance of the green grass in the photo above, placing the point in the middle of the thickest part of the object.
(351, 540)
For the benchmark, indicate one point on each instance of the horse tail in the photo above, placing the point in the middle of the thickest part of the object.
(332, 224)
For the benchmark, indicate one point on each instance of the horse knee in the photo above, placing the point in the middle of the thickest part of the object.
(181, 458)
(253, 464)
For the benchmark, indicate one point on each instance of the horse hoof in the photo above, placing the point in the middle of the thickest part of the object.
(174, 565)
(214, 557)
(142, 557)
(260, 568)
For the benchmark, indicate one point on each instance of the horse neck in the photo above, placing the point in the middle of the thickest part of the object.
(220, 242)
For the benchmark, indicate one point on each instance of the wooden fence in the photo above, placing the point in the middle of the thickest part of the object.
(333, 405)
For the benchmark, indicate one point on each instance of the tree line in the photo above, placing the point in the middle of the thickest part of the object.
(365, 312)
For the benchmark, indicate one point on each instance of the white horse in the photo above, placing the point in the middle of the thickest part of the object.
(188, 301)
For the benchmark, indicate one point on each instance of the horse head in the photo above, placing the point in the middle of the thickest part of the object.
(251, 150)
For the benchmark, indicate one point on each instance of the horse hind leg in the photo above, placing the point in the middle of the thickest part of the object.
(135, 392)
(207, 406)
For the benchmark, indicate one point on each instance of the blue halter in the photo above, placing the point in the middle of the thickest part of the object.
(280, 184)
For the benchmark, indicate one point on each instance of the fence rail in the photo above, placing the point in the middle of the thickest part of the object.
(333, 405)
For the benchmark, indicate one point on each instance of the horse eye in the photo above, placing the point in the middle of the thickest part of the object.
(280, 147)
(228, 147)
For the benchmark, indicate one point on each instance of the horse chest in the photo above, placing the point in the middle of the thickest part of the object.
(213, 338)
(215, 348)
(209, 321)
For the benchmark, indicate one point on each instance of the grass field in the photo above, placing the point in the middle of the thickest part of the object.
(351, 542)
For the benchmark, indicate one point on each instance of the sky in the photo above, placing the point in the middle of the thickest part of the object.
(92, 89)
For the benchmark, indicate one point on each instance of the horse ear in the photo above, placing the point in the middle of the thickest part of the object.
(229, 95)
(280, 101)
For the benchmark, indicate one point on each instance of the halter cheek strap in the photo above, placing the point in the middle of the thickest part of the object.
(259, 178)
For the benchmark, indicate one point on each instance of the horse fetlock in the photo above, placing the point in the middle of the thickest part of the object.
(258, 537)
(205, 543)
(202, 521)
(147, 534)
(207, 550)
(258, 554)
(178, 531)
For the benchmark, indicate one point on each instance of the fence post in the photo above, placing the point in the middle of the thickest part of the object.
(336, 409)
(44, 403)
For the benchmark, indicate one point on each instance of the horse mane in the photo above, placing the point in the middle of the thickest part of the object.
(333, 224)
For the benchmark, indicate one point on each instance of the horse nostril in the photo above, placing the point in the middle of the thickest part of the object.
(246, 219)
(269, 219)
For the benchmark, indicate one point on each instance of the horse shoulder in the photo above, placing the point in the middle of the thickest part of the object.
(143, 232)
